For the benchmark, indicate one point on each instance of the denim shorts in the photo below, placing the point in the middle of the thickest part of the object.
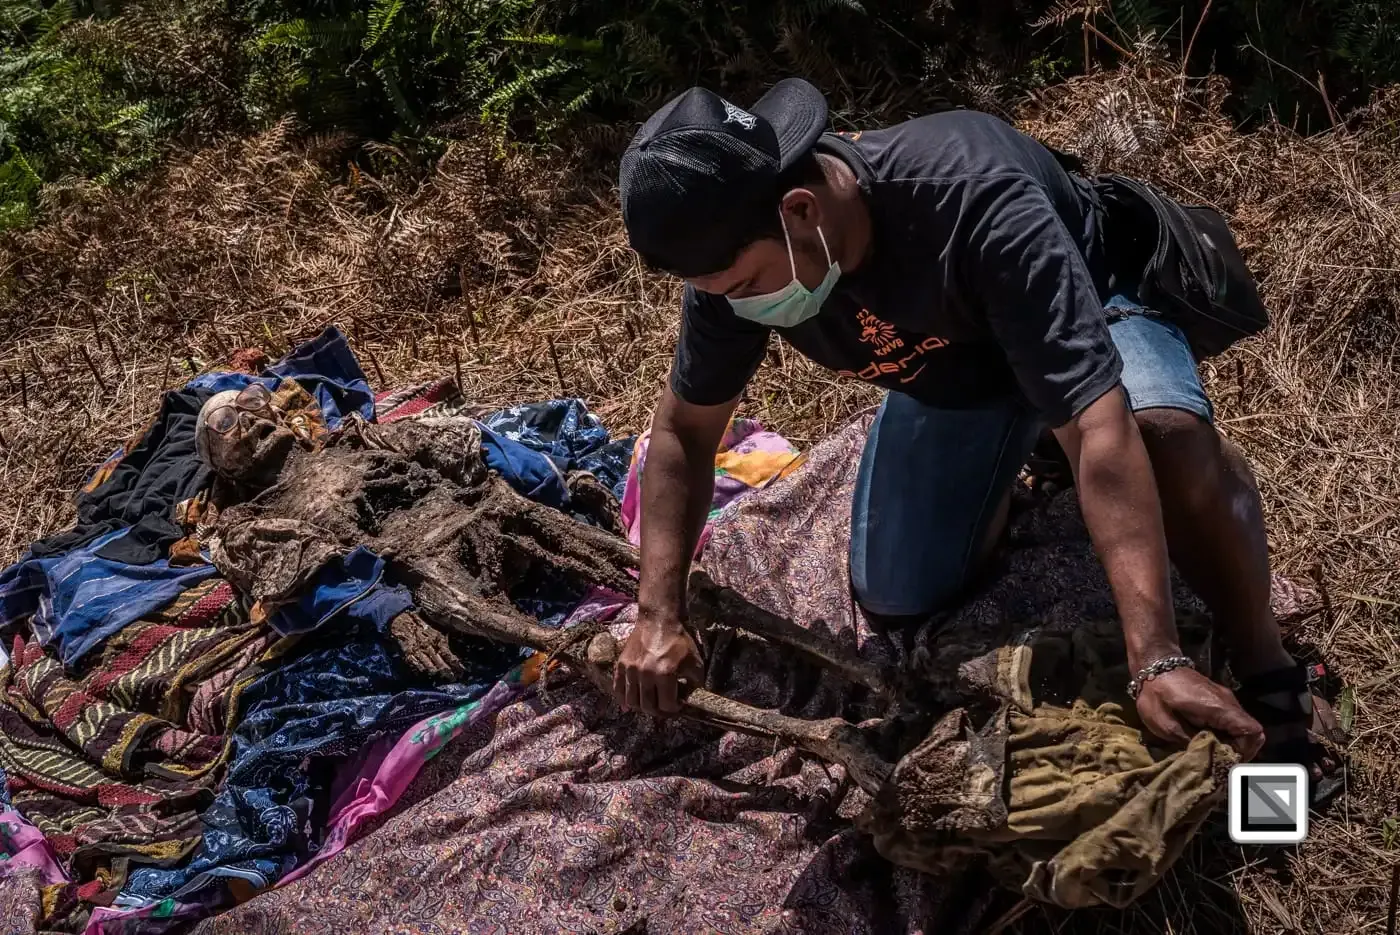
(931, 479)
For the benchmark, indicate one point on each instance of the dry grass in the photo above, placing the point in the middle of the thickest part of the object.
(499, 267)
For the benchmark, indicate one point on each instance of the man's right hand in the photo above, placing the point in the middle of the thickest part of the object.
(1177, 704)
(656, 656)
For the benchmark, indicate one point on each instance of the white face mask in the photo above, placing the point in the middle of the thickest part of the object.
(794, 303)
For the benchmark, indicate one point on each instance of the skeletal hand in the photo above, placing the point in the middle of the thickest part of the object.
(425, 648)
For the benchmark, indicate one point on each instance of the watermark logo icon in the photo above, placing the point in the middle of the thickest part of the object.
(1268, 803)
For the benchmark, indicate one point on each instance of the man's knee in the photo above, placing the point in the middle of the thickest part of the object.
(902, 592)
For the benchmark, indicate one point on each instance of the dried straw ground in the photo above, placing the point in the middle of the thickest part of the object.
(517, 276)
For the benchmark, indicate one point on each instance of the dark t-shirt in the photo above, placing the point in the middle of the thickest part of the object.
(986, 276)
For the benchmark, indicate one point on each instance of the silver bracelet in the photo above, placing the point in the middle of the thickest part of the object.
(1160, 667)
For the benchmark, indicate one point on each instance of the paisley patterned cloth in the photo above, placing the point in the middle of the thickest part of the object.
(749, 458)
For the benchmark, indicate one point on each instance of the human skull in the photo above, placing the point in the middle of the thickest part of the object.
(242, 436)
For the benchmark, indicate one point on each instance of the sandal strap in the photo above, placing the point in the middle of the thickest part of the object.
(1277, 697)
(1289, 678)
(1291, 750)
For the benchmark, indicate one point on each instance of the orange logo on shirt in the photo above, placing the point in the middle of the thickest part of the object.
(879, 333)
(906, 367)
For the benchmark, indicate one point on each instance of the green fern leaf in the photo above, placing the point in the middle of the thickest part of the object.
(552, 41)
(381, 17)
(1137, 19)
(498, 107)
(396, 98)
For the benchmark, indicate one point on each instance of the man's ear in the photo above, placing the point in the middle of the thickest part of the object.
(802, 209)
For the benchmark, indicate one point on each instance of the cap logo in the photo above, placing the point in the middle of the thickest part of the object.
(733, 114)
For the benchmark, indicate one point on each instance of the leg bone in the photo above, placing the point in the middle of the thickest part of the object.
(712, 605)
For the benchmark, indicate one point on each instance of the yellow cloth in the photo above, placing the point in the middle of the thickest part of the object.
(1067, 800)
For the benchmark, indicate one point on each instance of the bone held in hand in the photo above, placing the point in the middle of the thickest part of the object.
(832, 739)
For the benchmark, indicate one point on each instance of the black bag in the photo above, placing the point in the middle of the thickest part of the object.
(1192, 270)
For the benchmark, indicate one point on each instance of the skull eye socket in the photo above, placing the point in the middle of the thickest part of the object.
(253, 397)
(222, 420)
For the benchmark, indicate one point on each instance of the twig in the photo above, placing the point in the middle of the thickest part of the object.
(558, 371)
(39, 367)
(1332, 114)
(96, 374)
(218, 339)
(1186, 59)
(1316, 573)
(23, 389)
(1394, 895)
(111, 343)
(1096, 31)
(1273, 61)
(378, 370)
(457, 363)
(165, 374)
(97, 332)
(62, 458)
(334, 285)
(476, 335)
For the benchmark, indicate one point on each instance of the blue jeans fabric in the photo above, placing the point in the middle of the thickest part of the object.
(931, 479)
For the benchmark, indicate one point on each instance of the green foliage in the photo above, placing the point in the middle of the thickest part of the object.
(96, 89)
(81, 99)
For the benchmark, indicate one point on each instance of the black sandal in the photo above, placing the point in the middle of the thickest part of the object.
(1284, 698)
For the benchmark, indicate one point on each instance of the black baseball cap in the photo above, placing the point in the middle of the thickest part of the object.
(698, 172)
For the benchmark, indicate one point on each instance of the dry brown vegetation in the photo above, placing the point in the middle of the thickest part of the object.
(516, 275)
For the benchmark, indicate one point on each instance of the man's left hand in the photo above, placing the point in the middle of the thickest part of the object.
(1177, 704)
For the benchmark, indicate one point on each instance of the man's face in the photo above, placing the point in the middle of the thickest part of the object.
(763, 267)
(247, 441)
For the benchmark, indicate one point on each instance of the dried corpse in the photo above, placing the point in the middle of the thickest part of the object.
(1053, 786)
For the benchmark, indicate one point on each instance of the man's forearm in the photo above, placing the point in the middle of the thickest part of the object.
(1122, 510)
(677, 488)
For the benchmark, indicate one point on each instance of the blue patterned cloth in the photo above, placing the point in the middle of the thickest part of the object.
(78, 599)
(572, 437)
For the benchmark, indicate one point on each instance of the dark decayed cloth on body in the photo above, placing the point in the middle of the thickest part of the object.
(567, 815)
